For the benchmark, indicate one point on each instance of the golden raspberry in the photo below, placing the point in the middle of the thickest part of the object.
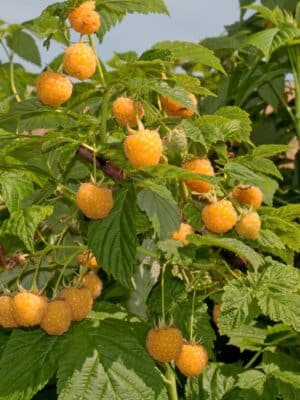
(199, 166)
(88, 260)
(80, 61)
(7, 319)
(216, 313)
(94, 284)
(250, 195)
(94, 201)
(219, 217)
(53, 89)
(184, 231)
(192, 360)
(84, 19)
(57, 319)
(249, 226)
(174, 109)
(164, 344)
(80, 301)
(29, 309)
(143, 148)
(126, 111)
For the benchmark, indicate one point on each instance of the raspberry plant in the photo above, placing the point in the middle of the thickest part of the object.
(140, 217)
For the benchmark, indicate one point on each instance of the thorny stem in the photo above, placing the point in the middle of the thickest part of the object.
(192, 316)
(99, 66)
(12, 79)
(170, 382)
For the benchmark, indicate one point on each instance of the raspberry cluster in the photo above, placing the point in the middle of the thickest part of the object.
(29, 309)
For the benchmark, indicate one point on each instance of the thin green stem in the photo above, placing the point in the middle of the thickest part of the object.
(170, 382)
(12, 79)
(104, 114)
(34, 285)
(163, 305)
(283, 102)
(253, 359)
(99, 65)
(192, 316)
(294, 57)
(62, 272)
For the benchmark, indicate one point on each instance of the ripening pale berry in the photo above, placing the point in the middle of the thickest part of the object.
(219, 217)
(29, 308)
(164, 344)
(200, 166)
(249, 195)
(143, 148)
(80, 61)
(248, 226)
(7, 319)
(174, 109)
(84, 19)
(53, 89)
(88, 260)
(57, 319)
(192, 360)
(94, 201)
(94, 284)
(80, 300)
(127, 112)
(183, 232)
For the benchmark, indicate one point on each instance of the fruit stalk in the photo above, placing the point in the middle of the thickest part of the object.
(2, 257)
(171, 383)
(99, 66)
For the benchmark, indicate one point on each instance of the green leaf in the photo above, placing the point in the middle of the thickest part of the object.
(276, 294)
(15, 188)
(272, 39)
(187, 51)
(237, 114)
(289, 212)
(262, 165)
(288, 232)
(253, 382)
(113, 11)
(239, 306)
(269, 239)
(23, 223)
(216, 383)
(157, 202)
(193, 132)
(248, 338)
(32, 357)
(24, 46)
(113, 240)
(269, 150)
(108, 365)
(234, 245)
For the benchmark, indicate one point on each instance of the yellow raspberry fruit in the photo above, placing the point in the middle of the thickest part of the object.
(94, 284)
(219, 217)
(174, 109)
(80, 300)
(7, 319)
(249, 195)
(164, 344)
(183, 232)
(127, 112)
(88, 260)
(216, 313)
(29, 309)
(80, 61)
(84, 19)
(248, 226)
(53, 89)
(192, 360)
(96, 202)
(143, 148)
(57, 319)
(199, 166)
